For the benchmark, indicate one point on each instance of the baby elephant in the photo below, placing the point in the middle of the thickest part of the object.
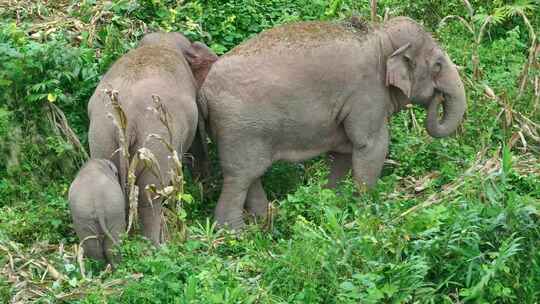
(98, 208)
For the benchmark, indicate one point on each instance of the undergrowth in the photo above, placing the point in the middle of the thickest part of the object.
(454, 220)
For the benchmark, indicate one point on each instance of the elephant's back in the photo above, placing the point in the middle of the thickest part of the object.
(95, 184)
(285, 77)
(146, 61)
(148, 68)
(294, 37)
(139, 75)
(290, 56)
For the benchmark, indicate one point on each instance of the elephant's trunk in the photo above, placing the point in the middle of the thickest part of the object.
(454, 104)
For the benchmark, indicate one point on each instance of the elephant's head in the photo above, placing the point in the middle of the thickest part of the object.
(423, 72)
(199, 56)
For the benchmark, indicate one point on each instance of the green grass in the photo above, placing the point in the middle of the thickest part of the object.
(473, 237)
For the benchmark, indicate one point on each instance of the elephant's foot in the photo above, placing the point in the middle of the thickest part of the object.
(229, 217)
(331, 184)
(256, 201)
(242, 188)
(151, 223)
(259, 210)
(340, 165)
(233, 223)
(229, 212)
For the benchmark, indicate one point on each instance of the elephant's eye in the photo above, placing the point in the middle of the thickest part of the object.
(409, 62)
(437, 68)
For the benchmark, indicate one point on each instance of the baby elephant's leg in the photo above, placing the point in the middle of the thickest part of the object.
(90, 237)
(113, 229)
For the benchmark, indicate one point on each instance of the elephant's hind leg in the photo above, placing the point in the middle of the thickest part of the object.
(90, 237)
(256, 201)
(243, 163)
(102, 138)
(93, 247)
(116, 226)
(150, 209)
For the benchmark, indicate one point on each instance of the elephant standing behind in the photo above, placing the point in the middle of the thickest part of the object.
(97, 206)
(302, 89)
(164, 64)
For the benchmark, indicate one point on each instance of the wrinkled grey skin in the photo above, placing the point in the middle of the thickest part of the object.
(303, 89)
(97, 206)
(165, 64)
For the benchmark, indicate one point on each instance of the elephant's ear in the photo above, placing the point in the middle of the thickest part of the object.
(200, 58)
(398, 72)
(112, 167)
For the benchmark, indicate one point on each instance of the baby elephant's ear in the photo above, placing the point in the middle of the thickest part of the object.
(200, 58)
(111, 166)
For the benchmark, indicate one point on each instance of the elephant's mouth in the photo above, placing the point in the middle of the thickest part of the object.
(399, 100)
(425, 100)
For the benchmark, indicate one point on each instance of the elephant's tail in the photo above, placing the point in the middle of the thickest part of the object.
(204, 119)
(105, 230)
(202, 104)
(202, 134)
(108, 241)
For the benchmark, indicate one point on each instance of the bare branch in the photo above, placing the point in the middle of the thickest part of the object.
(373, 11)
(461, 19)
(61, 126)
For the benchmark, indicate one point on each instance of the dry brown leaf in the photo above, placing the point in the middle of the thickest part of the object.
(488, 91)
(424, 182)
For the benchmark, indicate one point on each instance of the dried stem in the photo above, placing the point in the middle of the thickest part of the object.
(133, 193)
(119, 119)
(536, 95)
(532, 53)
(469, 7)
(61, 127)
(461, 19)
(373, 11)
(451, 188)
(172, 194)
(127, 170)
(32, 271)
(477, 37)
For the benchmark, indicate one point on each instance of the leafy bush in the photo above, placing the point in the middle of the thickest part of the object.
(452, 220)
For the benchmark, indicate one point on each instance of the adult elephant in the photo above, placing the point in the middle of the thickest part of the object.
(164, 64)
(302, 89)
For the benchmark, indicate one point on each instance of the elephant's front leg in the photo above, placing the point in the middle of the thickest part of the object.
(256, 201)
(340, 164)
(368, 158)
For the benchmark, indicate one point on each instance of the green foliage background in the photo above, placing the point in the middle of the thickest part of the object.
(479, 243)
